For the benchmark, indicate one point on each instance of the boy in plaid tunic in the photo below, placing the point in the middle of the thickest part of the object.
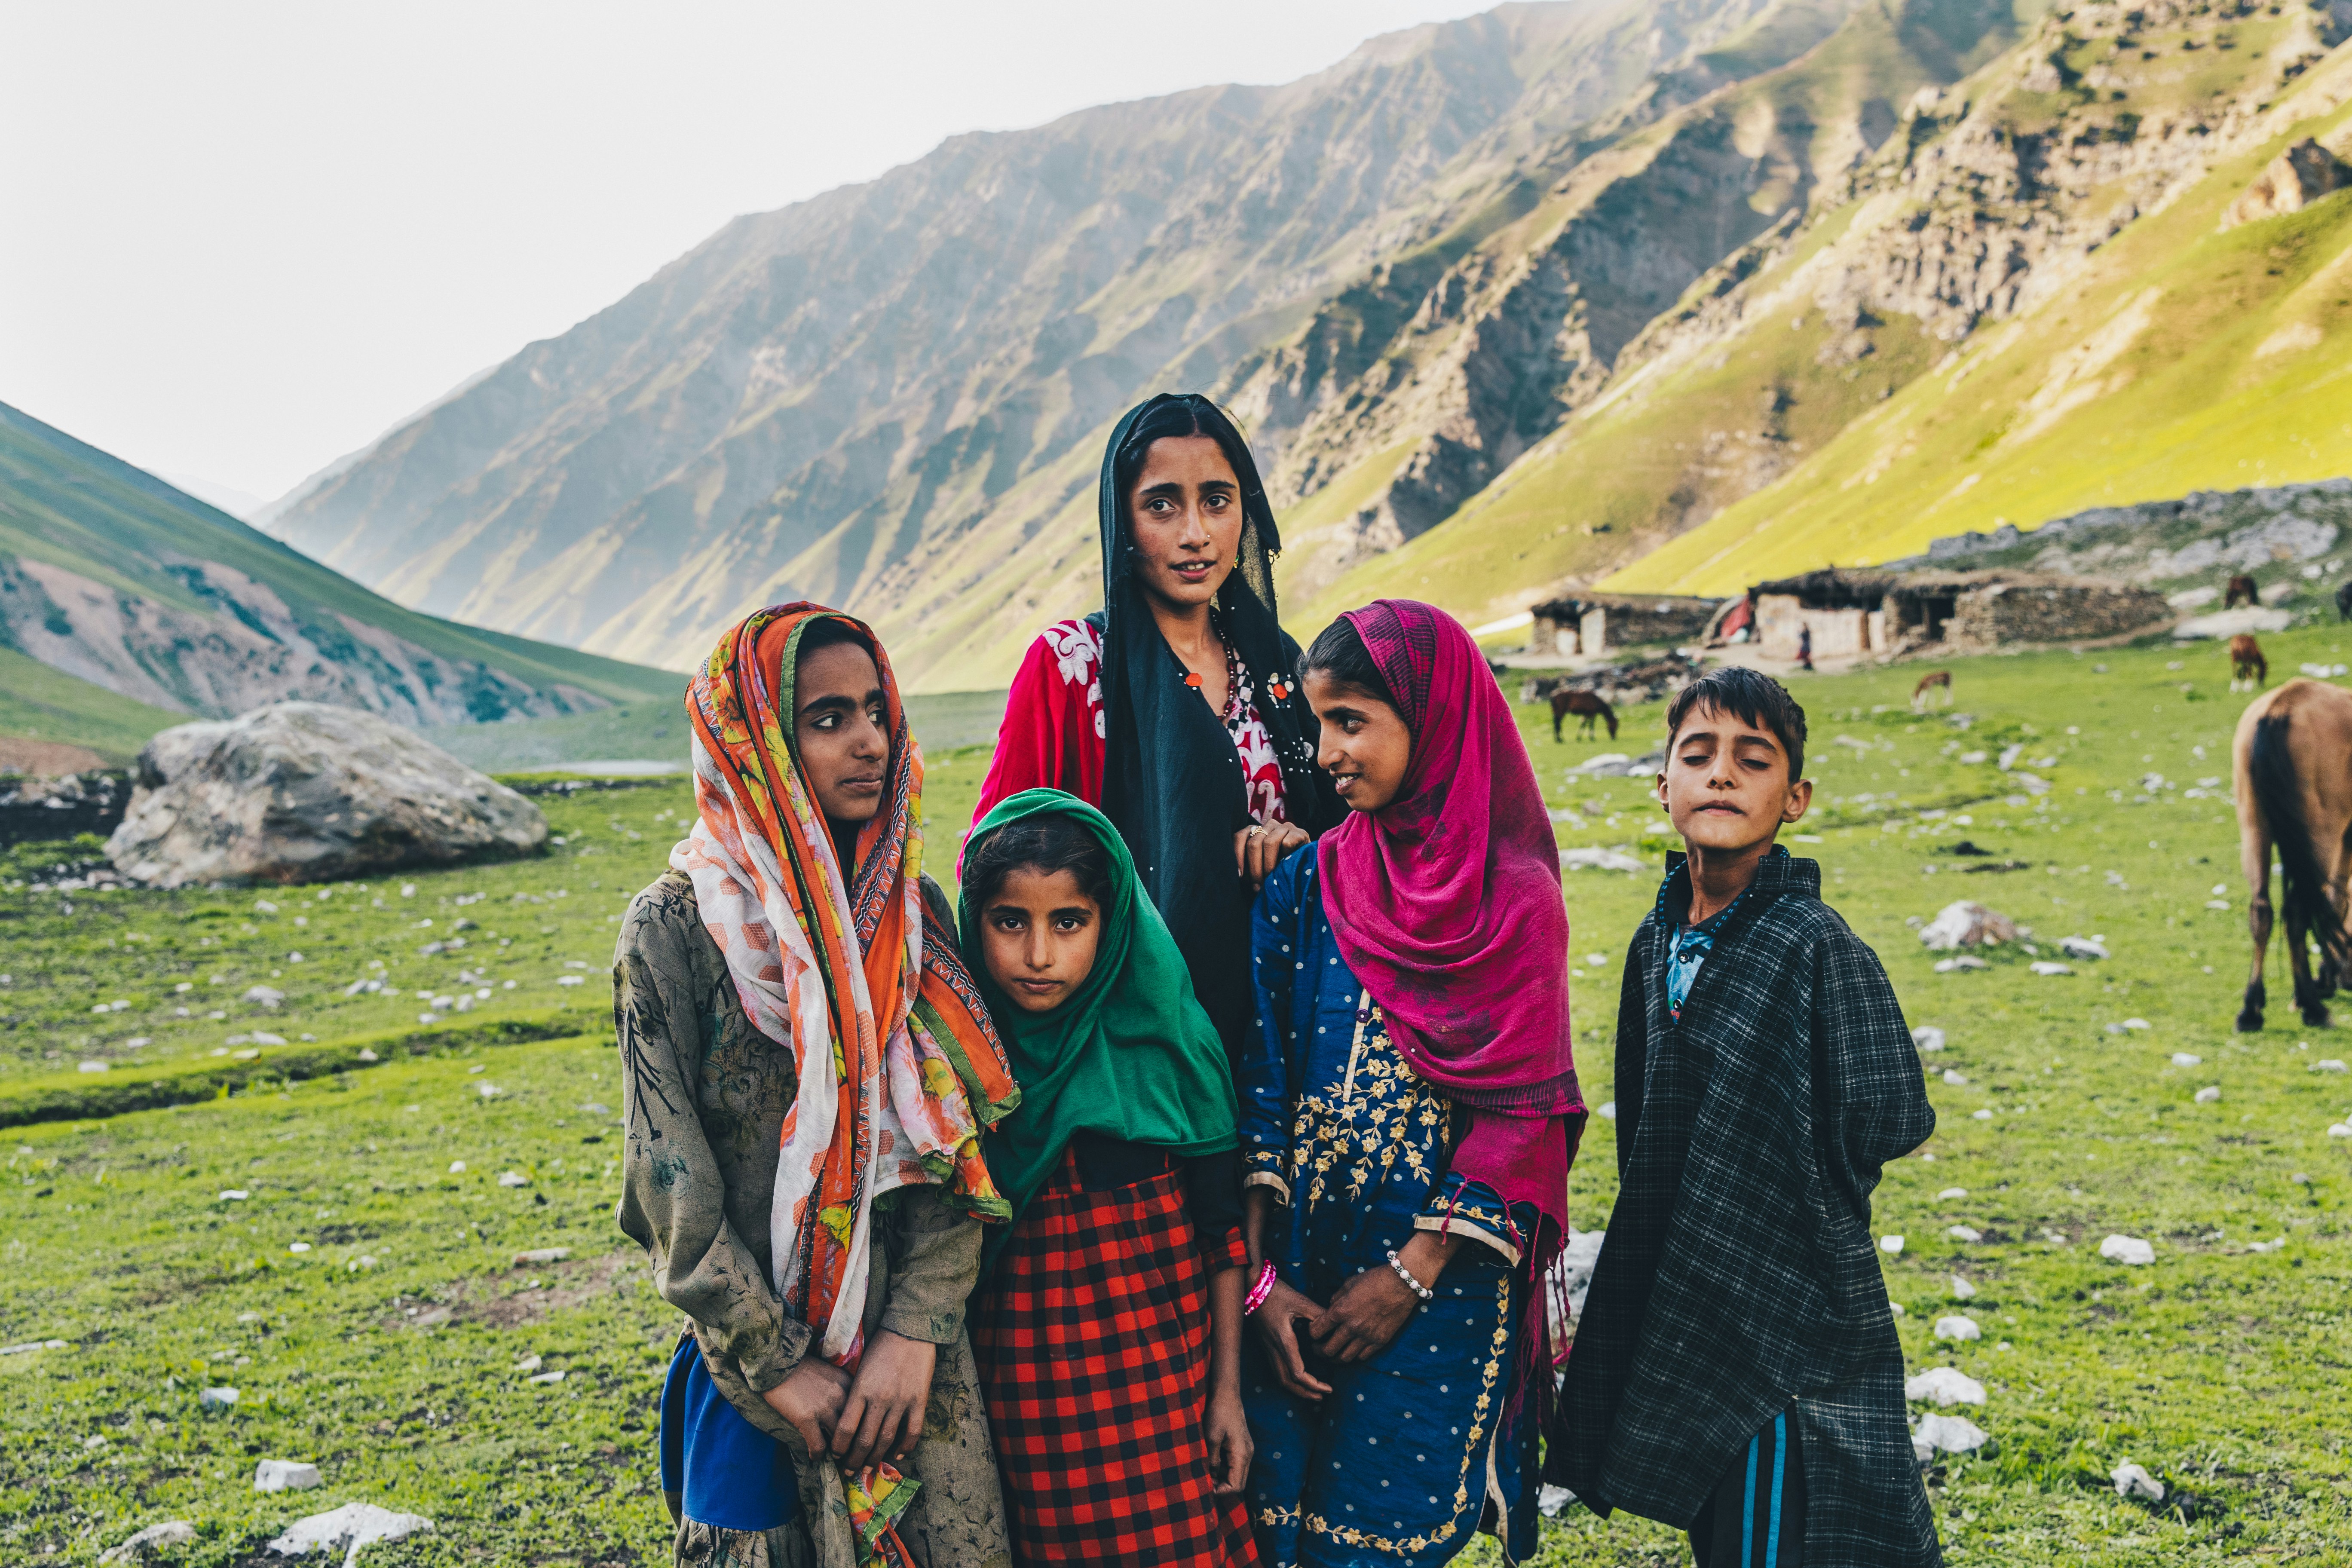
(1736, 1371)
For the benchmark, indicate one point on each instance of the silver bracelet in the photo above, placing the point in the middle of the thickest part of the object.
(1411, 1284)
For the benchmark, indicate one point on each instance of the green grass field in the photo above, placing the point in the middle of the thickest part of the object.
(395, 1352)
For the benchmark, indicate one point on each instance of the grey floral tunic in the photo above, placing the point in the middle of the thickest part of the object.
(705, 1095)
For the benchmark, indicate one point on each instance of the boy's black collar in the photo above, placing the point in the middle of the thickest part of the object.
(1779, 872)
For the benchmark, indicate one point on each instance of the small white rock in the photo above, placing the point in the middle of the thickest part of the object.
(1980, 1116)
(284, 1475)
(513, 1179)
(1949, 1193)
(2133, 1482)
(1957, 1327)
(171, 1532)
(1609, 1110)
(528, 1364)
(2082, 947)
(2209, 1094)
(2184, 1059)
(542, 1254)
(2128, 1249)
(1551, 1501)
(1954, 1078)
(2044, 966)
(346, 1529)
(1946, 1385)
(369, 1055)
(1949, 1435)
(488, 1090)
(93, 1067)
(234, 1195)
(546, 1377)
(215, 1398)
(1927, 1038)
(1891, 1245)
(298, 1247)
(1961, 1289)
(2138, 1024)
(2338, 1129)
(1967, 1232)
(2327, 1064)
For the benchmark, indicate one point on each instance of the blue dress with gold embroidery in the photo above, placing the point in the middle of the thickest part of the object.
(1400, 1462)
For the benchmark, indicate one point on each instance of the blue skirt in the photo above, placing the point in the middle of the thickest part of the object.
(719, 1469)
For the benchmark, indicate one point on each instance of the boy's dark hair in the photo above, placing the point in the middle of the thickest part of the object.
(1750, 697)
(1044, 844)
(1339, 651)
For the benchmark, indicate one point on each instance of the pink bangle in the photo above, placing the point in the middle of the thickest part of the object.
(1261, 1290)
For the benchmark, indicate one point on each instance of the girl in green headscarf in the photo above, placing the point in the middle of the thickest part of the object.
(1109, 1319)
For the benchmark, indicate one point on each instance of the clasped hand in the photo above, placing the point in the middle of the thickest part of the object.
(1258, 849)
(1364, 1317)
(876, 1414)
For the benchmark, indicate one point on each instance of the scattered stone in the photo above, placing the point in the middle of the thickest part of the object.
(2288, 182)
(369, 1055)
(298, 1247)
(1949, 1193)
(1891, 1245)
(1966, 923)
(234, 1195)
(260, 1038)
(1946, 1385)
(284, 1475)
(2136, 1484)
(546, 1377)
(93, 1067)
(1965, 1233)
(542, 1255)
(1927, 1038)
(2184, 1059)
(1594, 860)
(2129, 1251)
(570, 980)
(2085, 947)
(347, 1529)
(2328, 1064)
(215, 1398)
(32, 1345)
(528, 1364)
(2338, 1129)
(513, 1179)
(1957, 1327)
(488, 1090)
(1576, 1261)
(596, 1109)
(1966, 961)
(2044, 966)
(1551, 1501)
(2133, 1023)
(305, 792)
(1609, 1110)
(2273, 1245)
(1954, 1077)
(1947, 1434)
(2209, 1094)
(1962, 1290)
(171, 1532)
(456, 1167)
(2229, 623)
(1985, 1115)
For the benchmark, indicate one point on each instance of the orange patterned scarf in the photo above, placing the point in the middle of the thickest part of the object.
(912, 1069)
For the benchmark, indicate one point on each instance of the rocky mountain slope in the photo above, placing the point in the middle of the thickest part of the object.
(109, 578)
(2048, 290)
(893, 396)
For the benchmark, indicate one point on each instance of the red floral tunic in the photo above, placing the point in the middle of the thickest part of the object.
(1052, 737)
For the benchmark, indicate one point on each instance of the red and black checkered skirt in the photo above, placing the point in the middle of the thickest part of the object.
(1092, 1339)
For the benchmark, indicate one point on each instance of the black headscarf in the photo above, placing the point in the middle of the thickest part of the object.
(1171, 779)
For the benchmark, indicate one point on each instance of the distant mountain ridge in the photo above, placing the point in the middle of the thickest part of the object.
(114, 577)
(1507, 305)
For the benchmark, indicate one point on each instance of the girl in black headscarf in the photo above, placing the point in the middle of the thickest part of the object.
(1174, 708)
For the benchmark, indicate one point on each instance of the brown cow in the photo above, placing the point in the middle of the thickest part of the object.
(2248, 670)
(2240, 587)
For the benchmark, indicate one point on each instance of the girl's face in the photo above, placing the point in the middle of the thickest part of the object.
(1039, 934)
(1185, 507)
(841, 732)
(1366, 745)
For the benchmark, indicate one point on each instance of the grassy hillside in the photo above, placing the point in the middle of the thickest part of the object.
(1798, 407)
(392, 1352)
(66, 504)
(37, 703)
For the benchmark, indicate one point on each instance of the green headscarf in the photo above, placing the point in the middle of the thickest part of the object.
(1130, 1055)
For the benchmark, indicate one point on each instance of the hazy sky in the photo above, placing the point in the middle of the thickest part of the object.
(241, 239)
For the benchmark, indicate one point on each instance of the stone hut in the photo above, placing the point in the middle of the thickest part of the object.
(1592, 623)
(1854, 614)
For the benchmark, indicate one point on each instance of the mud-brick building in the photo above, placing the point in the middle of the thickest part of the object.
(1592, 623)
(1854, 614)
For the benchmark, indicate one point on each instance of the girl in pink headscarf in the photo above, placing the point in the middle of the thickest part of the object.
(1409, 1111)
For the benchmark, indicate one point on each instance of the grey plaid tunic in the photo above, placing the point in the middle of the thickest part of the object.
(1739, 1276)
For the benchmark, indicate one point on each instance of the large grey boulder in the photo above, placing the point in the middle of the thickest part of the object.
(302, 791)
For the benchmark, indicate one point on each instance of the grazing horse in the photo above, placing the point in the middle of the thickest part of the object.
(2292, 760)
(1564, 703)
(2240, 587)
(2248, 670)
(1928, 682)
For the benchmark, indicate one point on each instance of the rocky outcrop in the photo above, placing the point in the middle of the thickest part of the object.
(300, 792)
(2292, 181)
(2286, 532)
(36, 808)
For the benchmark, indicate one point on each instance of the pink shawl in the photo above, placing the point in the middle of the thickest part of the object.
(1446, 903)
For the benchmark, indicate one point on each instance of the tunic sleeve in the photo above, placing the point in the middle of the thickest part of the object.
(935, 1262)
(1475, 1212)
(1264, 1075)
(1050, 737)
(673, 1198)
